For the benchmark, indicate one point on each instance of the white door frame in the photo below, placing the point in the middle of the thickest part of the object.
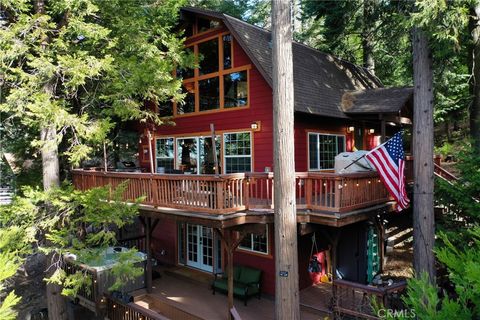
(201, 253)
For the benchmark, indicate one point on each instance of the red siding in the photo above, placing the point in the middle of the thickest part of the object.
(258, 261)
(309, 123)
(304, 256)
(260, 110)
(164, 238)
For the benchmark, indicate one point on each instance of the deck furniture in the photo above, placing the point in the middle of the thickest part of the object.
(246, 282)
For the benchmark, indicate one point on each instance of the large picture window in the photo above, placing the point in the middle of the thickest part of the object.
(256, 243)
(209, 94)
(208, 52)
(215, 84)
(322, 150)
(164, 155)
(235, 86)
(188, 104)
(237, 152)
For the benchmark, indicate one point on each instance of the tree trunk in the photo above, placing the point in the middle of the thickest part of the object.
(423, 213)
(56, 303)
(475, 79)
(286, 256)
(50, 164)
(367, 35)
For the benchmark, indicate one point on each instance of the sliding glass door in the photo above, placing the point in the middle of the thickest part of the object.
(195, 155)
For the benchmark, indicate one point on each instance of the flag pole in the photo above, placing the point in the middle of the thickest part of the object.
(366, 154)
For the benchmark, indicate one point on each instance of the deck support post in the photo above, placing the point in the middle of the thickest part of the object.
(148, 236)
(231, 242)
(335, 240)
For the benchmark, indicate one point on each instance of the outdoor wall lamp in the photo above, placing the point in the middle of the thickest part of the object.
(350, 129)
(255, 126)
(371, 131)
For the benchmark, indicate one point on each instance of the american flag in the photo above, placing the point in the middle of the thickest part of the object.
(389, 160)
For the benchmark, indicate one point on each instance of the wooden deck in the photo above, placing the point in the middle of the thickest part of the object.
(188, 299)
(240, 192)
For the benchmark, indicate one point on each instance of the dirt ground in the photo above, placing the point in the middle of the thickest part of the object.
(400, 261)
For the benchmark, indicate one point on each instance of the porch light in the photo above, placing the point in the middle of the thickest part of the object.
(255, 126)
(350, 129)
(371, 131)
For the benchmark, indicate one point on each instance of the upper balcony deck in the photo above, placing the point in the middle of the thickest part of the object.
(241, 192)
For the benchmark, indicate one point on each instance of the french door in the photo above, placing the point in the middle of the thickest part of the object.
(200, 247)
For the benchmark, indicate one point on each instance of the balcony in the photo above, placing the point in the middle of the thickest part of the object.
(231, 193)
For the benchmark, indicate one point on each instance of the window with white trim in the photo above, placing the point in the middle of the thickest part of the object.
(164, 154)
(237, 152)
(256, 243)
(322, 149)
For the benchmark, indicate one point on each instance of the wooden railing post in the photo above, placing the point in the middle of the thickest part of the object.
(220, 195)
(338, 193)
(308, 192)
(246, 194)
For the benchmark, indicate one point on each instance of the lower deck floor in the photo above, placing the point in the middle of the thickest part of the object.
(174, 294)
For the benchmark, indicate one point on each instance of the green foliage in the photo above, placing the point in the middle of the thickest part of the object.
(463, 268)
(426, 299)
(462, 264)
(460, 199)
(79, 64)
(126, 269)
(252, 11)
(65, 220)
(337, 27)
(6, 309)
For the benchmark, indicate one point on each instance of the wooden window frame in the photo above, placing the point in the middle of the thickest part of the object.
(156, 151)
(323, 134)
(196, 136)
(207, 134)
(255, 252)
(223, 149)
(195, 27)
(220, 74)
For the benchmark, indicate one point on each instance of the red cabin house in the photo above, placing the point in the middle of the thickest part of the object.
(193, 200)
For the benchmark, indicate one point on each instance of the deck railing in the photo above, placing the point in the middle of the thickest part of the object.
(228, 193)
(358, 300)
(118, 310)
(88, 294)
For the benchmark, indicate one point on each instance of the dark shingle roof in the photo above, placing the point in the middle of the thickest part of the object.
(379, 100)
(320, 79)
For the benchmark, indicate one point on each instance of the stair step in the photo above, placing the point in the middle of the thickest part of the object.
(403, 237)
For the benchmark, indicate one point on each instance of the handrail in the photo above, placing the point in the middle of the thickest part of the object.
(447, 175)
(228, 193)
(355, 299)
(117, 310)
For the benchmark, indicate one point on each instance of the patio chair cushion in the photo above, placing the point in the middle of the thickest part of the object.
(236, 273)
(249, 275)
(246, 282)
